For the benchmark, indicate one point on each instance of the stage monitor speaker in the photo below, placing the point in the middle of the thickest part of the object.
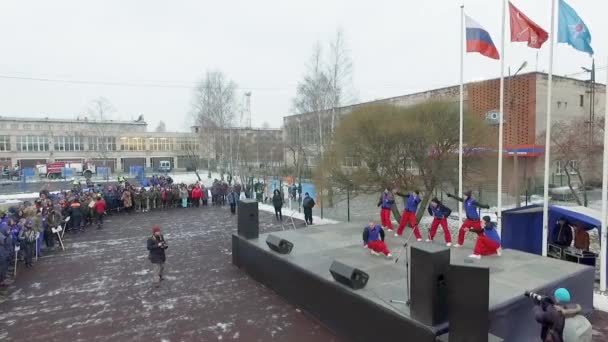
(468, 303)
(248, 223)
(278, 244)
(428, 293)
(347, 275)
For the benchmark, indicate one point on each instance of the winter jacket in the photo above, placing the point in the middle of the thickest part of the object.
(562, 235)
(53, 219)
(576, 327)
(308, 202)
(28, 235)
(183, 193)
(411, 203)
(126, 199)
(552, 322)
(197, 193)
(439, 212)
(386, 200)
(157, 253)
(100, 207)
(277, 200)
(470, 206)
(581, 239)
(369, 234)
(6, 242)
(232, 198)
(75, 210)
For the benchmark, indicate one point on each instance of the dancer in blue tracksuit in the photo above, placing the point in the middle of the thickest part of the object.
(386, 202)
(373, 238)
(440, 215)
(470, 208)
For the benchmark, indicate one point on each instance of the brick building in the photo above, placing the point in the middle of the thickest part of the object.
(524, 120)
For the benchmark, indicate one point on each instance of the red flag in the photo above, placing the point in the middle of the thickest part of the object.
(523, 29)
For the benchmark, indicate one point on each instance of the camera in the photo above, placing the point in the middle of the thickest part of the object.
(534, 295)
(538, 297)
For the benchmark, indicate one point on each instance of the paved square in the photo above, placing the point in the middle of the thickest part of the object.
(101, 288)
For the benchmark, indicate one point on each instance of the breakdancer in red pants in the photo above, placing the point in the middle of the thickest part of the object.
(488, 241)
(386, 201)
(373, 238)
(470, 208)
(412, 200)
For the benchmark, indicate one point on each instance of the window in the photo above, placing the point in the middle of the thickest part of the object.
(187, 143)
(131, 144)
(15, 126)
(72, 143)
(5, 143)
(559, 104)
(581, 100)
(572, 167)
(102, 144)
(32, 143)
(27, 126)
(161, 144)
(2, 125)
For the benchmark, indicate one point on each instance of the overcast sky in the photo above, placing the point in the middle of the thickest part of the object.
(148, 54)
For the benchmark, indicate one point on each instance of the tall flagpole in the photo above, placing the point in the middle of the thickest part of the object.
(461, 110)
(548, 133)
(501, 118)
(603, 229)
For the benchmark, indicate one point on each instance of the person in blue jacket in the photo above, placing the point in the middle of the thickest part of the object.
(373, 238)
(488, 240)
(440, 215)
(470, 208)
(386, 202)
(412, 200)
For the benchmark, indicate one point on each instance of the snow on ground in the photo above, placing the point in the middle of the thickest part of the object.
(296, 215)
(600, 301)
(17, 197)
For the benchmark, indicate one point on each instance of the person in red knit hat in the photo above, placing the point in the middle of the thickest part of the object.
(157, 246)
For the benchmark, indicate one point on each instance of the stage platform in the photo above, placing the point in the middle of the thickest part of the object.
(303, 278)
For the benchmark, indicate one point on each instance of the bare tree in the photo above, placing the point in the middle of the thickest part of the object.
(214, 107)
(339, 70)
(162, 127)
(574, 154)
(101, 140)
(265, 125)
(403, 147)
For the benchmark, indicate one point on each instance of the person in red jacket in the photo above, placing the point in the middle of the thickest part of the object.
(100, 210)
(197, 194)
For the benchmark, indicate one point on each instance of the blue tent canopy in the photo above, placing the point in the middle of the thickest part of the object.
(522, 228)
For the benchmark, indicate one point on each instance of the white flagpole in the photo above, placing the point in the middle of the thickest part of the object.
(461, 110)
(501, 119)
(548, 134)
(604, 230)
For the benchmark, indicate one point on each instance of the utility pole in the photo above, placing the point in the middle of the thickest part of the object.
(591, 102)
(515, 120)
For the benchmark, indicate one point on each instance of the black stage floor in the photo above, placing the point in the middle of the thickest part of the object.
(316, 247)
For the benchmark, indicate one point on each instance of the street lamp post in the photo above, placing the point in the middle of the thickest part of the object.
(516, 128)
(591, 101)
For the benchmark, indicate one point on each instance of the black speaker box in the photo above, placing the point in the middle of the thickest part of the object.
(428, 293)
(348, 275)
(248, 223)
(468, 303)
(278, 244)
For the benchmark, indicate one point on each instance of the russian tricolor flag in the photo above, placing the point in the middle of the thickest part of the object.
(479, 40)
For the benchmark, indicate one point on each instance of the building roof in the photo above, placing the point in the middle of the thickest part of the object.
(544, 75)
(72, 121)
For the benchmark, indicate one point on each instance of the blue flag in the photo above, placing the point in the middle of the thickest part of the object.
(572, 30)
